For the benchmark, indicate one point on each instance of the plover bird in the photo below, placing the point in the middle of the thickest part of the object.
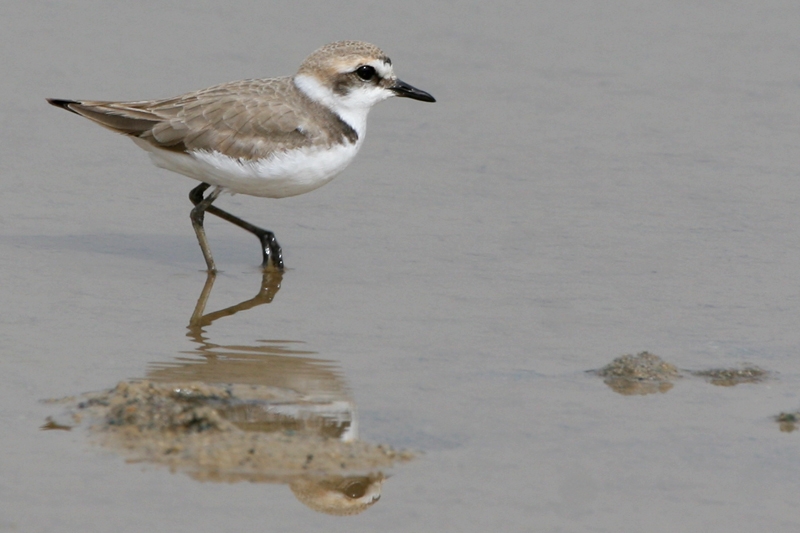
(274, 137)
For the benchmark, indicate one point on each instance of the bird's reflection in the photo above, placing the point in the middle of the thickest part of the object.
(318, 399)
(269, 412)
(277, 387)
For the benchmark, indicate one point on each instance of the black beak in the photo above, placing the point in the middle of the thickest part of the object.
(401, 88)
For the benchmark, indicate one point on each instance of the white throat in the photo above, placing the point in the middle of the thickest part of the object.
(352, 110)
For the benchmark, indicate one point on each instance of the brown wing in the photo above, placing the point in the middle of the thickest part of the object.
(249, 119)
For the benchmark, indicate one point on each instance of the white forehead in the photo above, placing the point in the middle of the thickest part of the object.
(382, 67)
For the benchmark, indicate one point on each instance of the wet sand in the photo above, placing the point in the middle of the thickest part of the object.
(595, 180)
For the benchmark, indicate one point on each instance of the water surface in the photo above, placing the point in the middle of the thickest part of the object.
(595, 179)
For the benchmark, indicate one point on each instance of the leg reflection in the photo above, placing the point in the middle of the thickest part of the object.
(270, 285)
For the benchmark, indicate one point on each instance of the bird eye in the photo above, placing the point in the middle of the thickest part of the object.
(366, 72)
(356, 489)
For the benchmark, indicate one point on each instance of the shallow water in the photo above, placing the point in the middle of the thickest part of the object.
(594, 180)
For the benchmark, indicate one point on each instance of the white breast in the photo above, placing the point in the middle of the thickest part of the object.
(277, 176)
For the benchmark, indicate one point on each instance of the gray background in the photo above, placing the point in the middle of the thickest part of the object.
(597, 178)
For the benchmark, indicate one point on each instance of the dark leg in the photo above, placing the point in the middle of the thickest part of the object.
(270, 249)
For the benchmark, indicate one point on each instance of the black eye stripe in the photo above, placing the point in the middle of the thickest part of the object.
(366, 72)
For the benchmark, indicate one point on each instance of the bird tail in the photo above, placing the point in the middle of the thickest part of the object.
(116, 116)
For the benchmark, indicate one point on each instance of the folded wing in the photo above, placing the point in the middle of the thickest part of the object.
(249, 119)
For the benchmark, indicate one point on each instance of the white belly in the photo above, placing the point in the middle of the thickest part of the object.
(278, 176)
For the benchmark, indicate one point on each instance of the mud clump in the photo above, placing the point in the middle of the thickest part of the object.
(729, 377)
(787, 422)
(145, 406)
(644, 373)
(184, 426)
